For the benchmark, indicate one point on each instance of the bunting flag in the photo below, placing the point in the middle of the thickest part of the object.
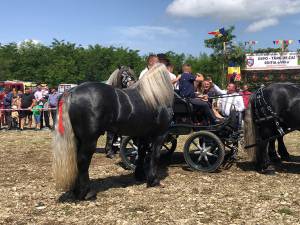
(251, 42)
(280, 42)
(218, 33)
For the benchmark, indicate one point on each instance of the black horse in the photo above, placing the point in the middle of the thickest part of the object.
(123, 77)
(85, 112)
(273, 112)
(283, 153)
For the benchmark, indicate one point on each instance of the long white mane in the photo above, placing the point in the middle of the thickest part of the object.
(113, 79)
(155, 87)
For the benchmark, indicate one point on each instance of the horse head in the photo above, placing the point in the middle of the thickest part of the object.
(126, 76)
(122, 77)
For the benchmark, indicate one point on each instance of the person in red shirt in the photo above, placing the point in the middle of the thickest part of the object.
(246, 95)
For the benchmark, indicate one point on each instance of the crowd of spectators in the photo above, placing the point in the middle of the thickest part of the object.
(28, 109)
(36, 109)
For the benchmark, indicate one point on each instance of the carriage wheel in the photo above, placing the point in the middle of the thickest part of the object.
(169, 145)
(129, 153)
(204, 151)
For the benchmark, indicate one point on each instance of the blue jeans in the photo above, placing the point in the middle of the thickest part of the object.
(37, 119)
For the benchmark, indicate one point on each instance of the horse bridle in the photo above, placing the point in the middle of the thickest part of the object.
(126, 77)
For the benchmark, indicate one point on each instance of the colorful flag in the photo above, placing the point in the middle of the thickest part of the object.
(218, 33)
(234, 74)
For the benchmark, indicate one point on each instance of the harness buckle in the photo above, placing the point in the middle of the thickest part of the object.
(279, 129)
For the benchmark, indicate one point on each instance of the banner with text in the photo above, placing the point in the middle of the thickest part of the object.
(288, 60)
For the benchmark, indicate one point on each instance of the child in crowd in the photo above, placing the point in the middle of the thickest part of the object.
(15, 105)
(36, 111)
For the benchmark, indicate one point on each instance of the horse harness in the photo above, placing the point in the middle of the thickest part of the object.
(126, 78)
(263, 112)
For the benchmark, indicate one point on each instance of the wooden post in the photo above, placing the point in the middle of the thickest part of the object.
(224, 70)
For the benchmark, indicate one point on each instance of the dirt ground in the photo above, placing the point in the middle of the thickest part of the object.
(235, 196)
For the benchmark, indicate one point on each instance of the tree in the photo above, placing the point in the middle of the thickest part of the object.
(225, 52)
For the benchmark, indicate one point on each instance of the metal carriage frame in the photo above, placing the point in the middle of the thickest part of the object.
(206, 149)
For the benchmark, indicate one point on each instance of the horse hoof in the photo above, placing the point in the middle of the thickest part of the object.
(268, 171)
(153, 183)
(91, 195)
(110, 156)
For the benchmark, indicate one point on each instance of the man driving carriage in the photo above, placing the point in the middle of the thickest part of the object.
(232, 99)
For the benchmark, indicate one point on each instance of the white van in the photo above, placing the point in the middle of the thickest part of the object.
(63, 87)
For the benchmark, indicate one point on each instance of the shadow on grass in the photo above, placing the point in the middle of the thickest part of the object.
(107, 183)
(292, 166)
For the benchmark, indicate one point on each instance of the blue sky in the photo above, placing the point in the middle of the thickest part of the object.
(149, 26)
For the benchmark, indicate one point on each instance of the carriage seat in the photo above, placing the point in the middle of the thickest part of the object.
(182, 105)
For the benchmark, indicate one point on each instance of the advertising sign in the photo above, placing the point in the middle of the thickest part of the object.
(286, 60)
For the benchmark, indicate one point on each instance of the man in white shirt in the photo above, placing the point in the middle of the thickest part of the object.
(38, 94)
(151, 60)
(232, 99)
(173, 77)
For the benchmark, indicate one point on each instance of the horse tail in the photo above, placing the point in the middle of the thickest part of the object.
(250, 132)
(64, 148)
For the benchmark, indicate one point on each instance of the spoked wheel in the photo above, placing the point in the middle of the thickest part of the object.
(129, 153)
(204, 151)
(169, 145)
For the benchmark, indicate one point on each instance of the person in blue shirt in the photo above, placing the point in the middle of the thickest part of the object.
(187, 90)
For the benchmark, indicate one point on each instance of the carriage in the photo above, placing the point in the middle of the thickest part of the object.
(206, 149)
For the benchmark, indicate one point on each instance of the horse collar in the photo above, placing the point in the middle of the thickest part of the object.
(264, 112)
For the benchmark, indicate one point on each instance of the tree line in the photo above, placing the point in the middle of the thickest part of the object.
(66, 62)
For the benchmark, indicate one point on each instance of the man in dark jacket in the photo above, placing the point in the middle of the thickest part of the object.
(26, 105)
(186, 90)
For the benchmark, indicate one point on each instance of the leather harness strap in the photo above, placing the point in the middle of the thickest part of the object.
(263, 111)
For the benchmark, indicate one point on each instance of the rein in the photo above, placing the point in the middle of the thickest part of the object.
(227, 96)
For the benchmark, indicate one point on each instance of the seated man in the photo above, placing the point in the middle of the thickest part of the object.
(232, 99)
(186, 90)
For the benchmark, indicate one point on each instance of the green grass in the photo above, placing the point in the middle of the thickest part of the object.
(286, 211)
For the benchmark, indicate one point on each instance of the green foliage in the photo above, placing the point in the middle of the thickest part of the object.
(63, 62)
(66, 62)
(223, 56)
(267, 50)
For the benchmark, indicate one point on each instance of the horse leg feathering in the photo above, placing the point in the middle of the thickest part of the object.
(64, 148)
(250, 132)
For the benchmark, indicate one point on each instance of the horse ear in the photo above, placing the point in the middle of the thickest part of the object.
(119, 66)
(131, 67)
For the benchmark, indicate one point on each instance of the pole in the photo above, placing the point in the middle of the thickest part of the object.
(224, 58)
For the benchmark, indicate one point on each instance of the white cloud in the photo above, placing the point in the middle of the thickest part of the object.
(29, 41)
(151, 38)
(260, 25)
(262, 12)
(148, 32)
